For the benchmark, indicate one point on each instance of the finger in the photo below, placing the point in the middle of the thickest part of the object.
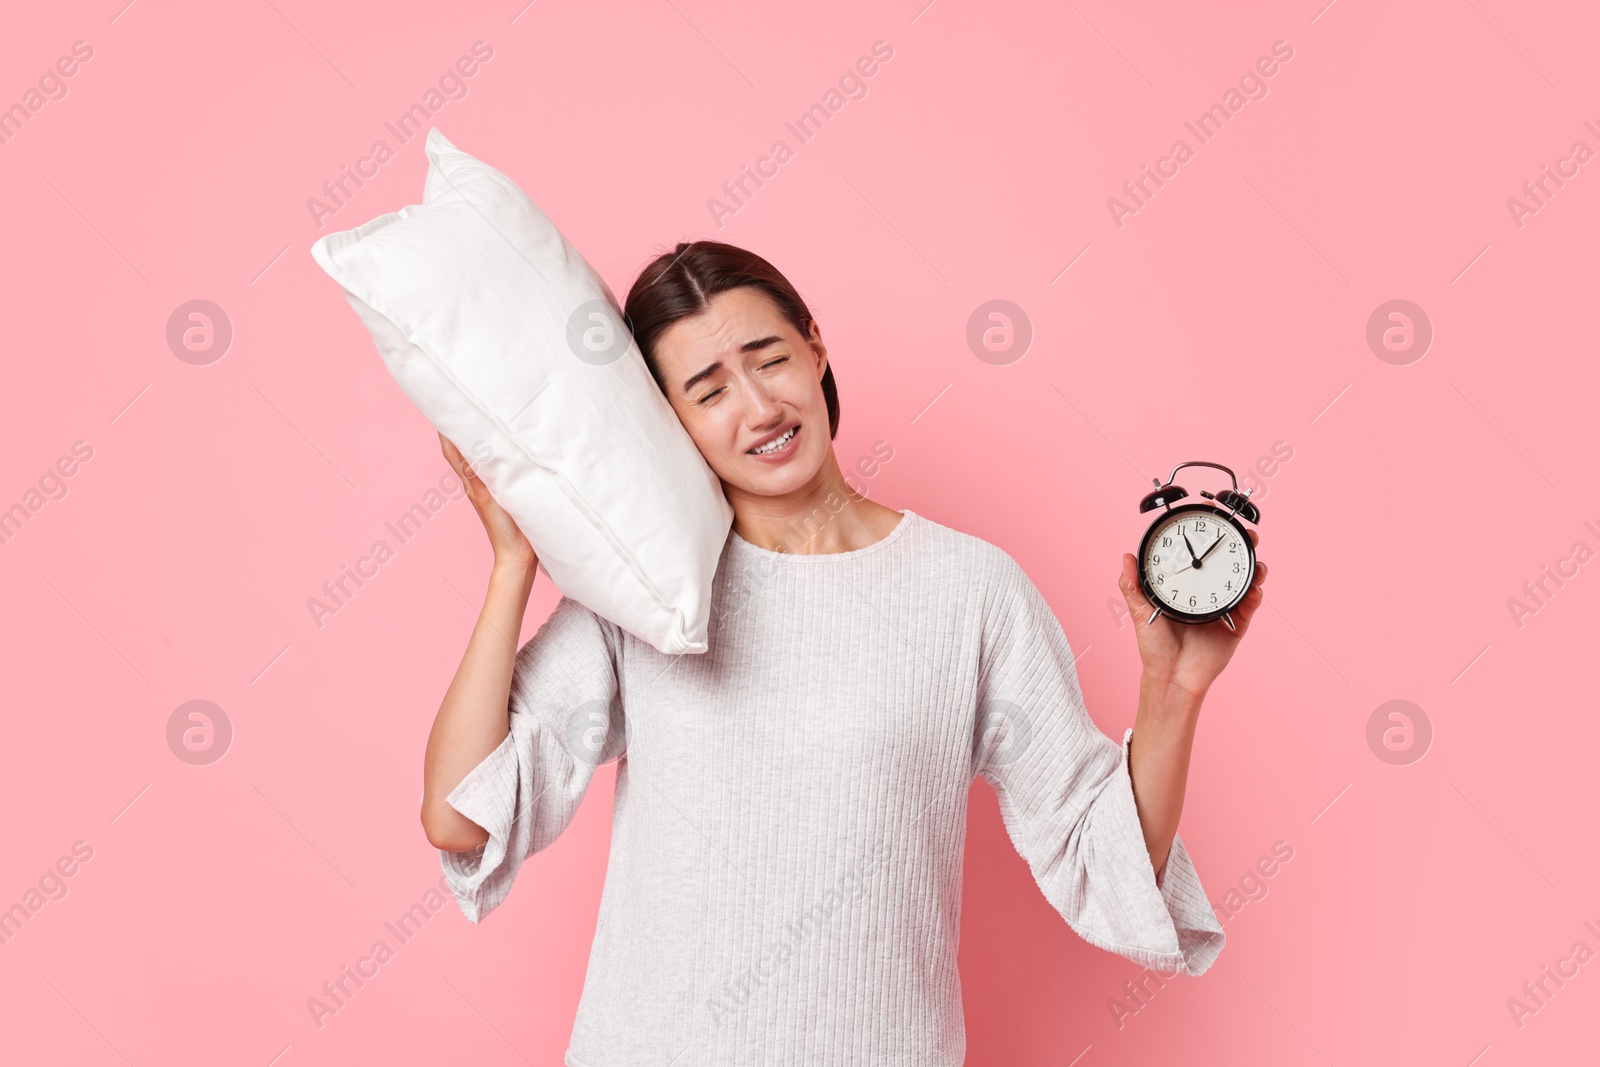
(451, 452)
(1247, 609)
(1128, 582)
(458, 462)
(1255, 538)
(1252, 599)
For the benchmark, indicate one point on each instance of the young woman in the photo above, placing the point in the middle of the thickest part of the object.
(784, 883)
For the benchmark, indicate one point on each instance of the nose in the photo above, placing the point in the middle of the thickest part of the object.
(763, 409)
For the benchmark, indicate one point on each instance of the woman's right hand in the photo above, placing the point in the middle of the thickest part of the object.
(511, 545)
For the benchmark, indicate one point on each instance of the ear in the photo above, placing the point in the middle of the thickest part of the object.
(821, 350)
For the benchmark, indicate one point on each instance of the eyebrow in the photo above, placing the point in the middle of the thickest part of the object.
(748, 346)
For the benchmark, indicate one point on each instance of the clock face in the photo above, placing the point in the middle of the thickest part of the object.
(1195, 561)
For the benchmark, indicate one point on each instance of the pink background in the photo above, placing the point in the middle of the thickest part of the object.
(1227, 315)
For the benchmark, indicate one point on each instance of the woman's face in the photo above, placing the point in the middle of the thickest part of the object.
(740, 376)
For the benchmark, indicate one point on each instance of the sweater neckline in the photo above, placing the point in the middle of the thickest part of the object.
(749, 548)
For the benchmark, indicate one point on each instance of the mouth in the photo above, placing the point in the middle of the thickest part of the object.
(778, 445)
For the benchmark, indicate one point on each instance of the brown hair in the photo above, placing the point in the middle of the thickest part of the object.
(681, 283)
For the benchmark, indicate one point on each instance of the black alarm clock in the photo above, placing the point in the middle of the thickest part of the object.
(1197, 561)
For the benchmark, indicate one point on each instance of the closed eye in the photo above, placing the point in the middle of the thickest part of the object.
(764, 366)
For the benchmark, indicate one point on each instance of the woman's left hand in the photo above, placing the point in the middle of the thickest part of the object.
(1180, 655)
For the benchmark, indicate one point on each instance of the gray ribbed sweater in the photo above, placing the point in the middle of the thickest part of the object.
(784, 881)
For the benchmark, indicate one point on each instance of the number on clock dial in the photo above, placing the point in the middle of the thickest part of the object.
(1219, 581)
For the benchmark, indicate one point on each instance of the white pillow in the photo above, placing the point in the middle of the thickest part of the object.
(509, 343)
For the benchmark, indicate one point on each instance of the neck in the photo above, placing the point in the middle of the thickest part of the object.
(823, 516)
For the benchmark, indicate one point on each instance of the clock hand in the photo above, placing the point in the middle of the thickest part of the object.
(1187, 545)
(1179, 570)
(1213, 547)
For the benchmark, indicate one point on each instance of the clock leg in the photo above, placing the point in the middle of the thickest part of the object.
(1154, 615)
(1227, 617)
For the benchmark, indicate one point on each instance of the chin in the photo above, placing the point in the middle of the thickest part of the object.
(796, 474)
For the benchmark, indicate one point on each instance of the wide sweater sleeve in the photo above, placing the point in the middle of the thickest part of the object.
(1066, 796)
(566, 719)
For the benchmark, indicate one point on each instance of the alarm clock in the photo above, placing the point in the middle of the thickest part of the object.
(1197, 561)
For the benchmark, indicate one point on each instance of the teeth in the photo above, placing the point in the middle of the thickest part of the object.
(777, 443)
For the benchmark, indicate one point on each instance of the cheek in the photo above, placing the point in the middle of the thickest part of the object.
(803, 389)
(714, 431)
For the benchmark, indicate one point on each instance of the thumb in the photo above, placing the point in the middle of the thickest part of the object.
(1138, 606)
